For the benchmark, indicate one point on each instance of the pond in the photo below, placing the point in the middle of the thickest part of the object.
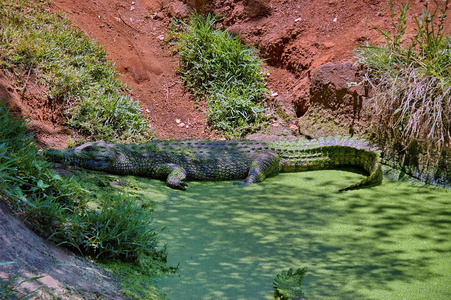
(390, 241)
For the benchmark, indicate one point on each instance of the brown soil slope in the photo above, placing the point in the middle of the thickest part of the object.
(294, 36)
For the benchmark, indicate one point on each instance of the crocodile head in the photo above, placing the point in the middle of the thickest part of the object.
(95, 156)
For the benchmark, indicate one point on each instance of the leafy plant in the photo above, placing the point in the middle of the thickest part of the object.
(234, 113)
(198, 5)
(72, 69)
(215, 65)
(287, 284)
(25, 175)
(412, 84)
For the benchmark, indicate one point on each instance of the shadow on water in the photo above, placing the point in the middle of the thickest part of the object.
(385, 242)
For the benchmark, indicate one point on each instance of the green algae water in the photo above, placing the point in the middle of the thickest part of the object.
(390, 241)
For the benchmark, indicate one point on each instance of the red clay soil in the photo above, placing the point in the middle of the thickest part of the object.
(133, 35)
(295, 36)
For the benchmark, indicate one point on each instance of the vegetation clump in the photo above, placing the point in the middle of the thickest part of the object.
(216, 65)
(57, 208)
(412, 91)
(73, 69)
(287, 284)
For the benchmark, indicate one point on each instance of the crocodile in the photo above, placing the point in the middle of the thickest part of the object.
(249, 161)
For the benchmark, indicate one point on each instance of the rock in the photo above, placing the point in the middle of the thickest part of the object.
(338, 87)
(178, 9)
(63, 274)
(338, 95)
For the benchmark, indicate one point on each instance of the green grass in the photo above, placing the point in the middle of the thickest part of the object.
(44, 47)
(137, 283)
(8, 287)
(137, 278)
(25, 176)
(216, 65)
(412, 90)
(108, 226)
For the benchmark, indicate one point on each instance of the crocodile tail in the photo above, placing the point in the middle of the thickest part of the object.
(373, 166)
(333, 152)
(356, 152)
(375, 177)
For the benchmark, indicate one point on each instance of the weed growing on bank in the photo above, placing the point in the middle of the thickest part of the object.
(412, 84)
(113, 227)
(46, 48)
(8, 287)
(216, 65)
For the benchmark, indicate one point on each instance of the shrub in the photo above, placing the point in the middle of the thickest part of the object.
(73, 68)
(215, 65)
(412, 81)
(118, 229)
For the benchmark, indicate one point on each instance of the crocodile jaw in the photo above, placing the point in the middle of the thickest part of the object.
(86, 157)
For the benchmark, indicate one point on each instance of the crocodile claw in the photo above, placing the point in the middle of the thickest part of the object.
(179, 185)
(243, 182)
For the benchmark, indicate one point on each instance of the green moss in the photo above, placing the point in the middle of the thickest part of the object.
(136, 283)
(318, 122)
(382, 242)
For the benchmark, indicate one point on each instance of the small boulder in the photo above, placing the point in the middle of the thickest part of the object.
(338, 96)
(338, 87)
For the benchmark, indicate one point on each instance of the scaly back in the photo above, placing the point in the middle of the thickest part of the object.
(328, 153)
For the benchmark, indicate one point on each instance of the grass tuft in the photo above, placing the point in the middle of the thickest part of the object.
(73, 69)
(412, 84)
(110, 231)
(215, 65)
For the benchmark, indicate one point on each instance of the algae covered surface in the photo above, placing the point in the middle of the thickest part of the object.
(390, 241)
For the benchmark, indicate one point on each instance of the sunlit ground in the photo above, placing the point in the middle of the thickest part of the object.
(390, 241)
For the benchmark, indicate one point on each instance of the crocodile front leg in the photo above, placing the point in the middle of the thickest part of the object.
(263, 164)
(174, 175)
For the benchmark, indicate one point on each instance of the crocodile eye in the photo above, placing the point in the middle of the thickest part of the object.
(94, 148)
(86, 148)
